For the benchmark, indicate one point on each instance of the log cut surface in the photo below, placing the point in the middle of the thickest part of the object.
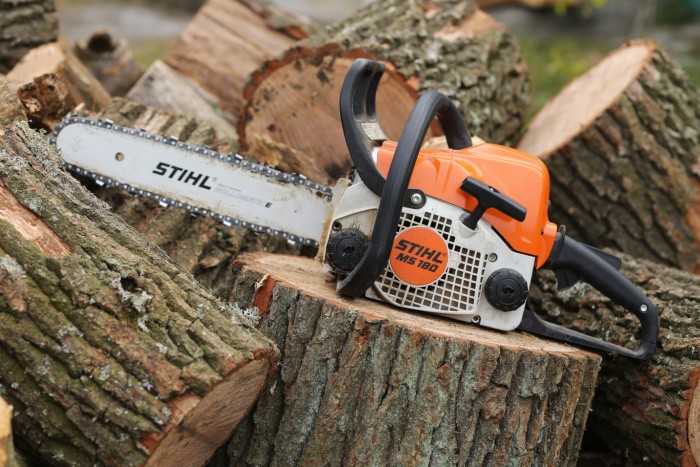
(621, 143)
(364, 383)
(6, 446)
(11, 109)
(649, 410)
(110, 352)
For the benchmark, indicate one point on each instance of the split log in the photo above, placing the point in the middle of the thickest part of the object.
(111, 61)
(227, 40)
(11, 109)
(50, 82)
(648, 410)
(447, 45)
(202, 245)
(24, 25)
(163, 88)
(365, 383)
(109, 352)
(622, 145)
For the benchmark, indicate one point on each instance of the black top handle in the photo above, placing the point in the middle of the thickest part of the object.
(358, 114)
(375, 258)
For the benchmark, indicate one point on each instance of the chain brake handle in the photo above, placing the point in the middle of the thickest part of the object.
(361, 128)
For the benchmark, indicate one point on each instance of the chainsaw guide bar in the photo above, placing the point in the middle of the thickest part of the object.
(149, 173)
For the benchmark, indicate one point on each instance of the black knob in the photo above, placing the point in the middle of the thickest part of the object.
(488, 197)
(506, 290)
(345, 249)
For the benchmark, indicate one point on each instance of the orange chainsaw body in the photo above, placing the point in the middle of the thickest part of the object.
(439, 173)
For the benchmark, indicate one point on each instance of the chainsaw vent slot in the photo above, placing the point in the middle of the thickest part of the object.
(457, 290)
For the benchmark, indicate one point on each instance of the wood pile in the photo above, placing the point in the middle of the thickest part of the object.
(135, 334)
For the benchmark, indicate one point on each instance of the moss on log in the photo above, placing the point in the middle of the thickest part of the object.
(110, 352)
(364, 383)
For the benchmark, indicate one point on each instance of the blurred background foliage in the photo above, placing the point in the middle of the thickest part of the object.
(561, 39)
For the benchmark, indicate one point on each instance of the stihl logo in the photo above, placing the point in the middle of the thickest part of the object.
(419, 256)
(182, 175)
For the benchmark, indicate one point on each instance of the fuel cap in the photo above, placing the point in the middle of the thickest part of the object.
(506, 290)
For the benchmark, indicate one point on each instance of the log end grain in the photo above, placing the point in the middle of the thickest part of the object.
(6, 448)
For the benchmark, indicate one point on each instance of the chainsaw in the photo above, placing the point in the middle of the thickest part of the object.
(457, 232)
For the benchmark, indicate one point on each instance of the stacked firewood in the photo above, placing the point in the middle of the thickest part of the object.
(134, 334)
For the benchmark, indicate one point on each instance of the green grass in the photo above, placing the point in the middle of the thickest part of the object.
(146, 52)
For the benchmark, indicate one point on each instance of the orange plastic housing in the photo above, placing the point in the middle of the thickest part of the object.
(440, 172)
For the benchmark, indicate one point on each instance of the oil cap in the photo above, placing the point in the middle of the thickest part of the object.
(345, 249)
(506, 290)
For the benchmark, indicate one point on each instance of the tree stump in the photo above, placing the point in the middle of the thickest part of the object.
(109, 352)
(163, 88)
(227, 40)
(51, 81)
(364, 383)
(24, 25)
(649, 410)
(622, 144)
(110, 60)
(448, 46)
(203, 246)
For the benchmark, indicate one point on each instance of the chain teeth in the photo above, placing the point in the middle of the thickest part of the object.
(206, 151)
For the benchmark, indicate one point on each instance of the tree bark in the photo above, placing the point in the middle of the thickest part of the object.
(51, 81)
(364, 383)
(11, 109)
(227, 40)
(202, 245)
(163, 88)
(109, 352)
(448, 46)
(111, 61)
(648, 410)
(622, 146)
(24, 25)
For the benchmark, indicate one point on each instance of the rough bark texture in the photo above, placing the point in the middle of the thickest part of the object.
(11, 109)
(362, 383)
(451, 47)
(627, 177)
(110, 353)
(25, 24)
(650, 411)
(51, 81)
(111, 61)
(227, 40)
(163, 88)
(293, 100)
(202, 245)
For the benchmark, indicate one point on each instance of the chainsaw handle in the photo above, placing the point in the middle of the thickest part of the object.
(375, 258)
(358, 114)
(574, 259)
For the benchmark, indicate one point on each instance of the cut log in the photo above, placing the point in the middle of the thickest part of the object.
(109, 352)
(362, 383)
(446, 45)
(11, 109)
(202, 245)
(111, 61)
(24, 25)
(622, 146)
(162, 88)
(227, 40)
(648, 410)
(51, 81)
